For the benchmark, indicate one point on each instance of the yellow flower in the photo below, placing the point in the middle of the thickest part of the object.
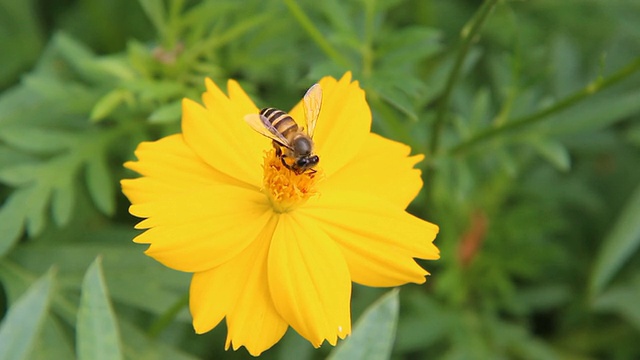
(268, 248)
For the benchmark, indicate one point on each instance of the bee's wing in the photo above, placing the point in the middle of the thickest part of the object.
(312, 102)
(262, 125)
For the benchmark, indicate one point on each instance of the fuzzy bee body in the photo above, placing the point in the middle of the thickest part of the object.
(293, 144)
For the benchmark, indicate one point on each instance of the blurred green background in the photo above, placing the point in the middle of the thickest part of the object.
(526, 110)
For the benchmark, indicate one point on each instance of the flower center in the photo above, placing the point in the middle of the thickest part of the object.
(284, 188)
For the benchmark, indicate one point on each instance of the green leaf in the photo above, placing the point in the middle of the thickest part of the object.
(133, 278)
(100, 185)
(53, 343)
(24, 320)
(619, 245)
(97, 336)
(20, 174)
(623, 300)
(375, 332)
(20, 32)
(108, 104)
(36, 139)
(156, 12)
(37, 197)
(62, 201)
(169, 113)
(141, 346)
(601, 111)
(554, 152)
(12, 218)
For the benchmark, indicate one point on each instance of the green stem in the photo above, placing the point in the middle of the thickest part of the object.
(163, 321)
(315, 34)
(594, 87)
(367, 51)
(468, 34)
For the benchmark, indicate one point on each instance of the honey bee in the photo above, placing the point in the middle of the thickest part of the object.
(293, 144)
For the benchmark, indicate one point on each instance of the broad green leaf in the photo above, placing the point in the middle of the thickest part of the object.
(97, 336)
(54, 342)
(374, 333)
(554, 152)
(133, 278)
(23, 322)
(619, 245)
(100, 185)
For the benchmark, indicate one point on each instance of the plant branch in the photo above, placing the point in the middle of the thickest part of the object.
(591, 89)
(467, 34)
(315, 34)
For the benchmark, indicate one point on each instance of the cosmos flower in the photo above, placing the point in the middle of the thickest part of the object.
(269, 248)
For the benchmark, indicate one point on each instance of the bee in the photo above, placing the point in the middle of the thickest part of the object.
(293, 144)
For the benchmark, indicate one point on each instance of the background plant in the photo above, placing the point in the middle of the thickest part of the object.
(527, 112)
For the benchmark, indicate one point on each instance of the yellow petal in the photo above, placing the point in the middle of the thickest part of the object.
(219, 135)
(309, 281)
(343, 125)
(378, 239)
(169, 167)
(199, 230)
(238, 290)
(254, 322)
(382, 168)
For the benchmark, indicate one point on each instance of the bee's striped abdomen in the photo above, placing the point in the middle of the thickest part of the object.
(280, 120)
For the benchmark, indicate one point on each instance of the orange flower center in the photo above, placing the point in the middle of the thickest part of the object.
(285, 189)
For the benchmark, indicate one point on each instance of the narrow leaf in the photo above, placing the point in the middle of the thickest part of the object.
(62, 202)
(169, 113)
(35, 139)
(619, 245)
(12, 219)
(374, 334)
(108, 104)
(100, 185)
(555, 153)
(97, 336)
(22, 324)
(623, 300)
(156, 13)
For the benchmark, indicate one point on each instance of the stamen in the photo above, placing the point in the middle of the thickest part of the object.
(284, 188)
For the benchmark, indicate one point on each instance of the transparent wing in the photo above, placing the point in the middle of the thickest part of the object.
(262, 125)
(312, 102)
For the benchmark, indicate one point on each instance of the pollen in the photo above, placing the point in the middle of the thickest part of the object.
(285, 189)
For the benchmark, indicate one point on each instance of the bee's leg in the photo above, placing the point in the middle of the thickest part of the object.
(284, 163)
(278, 149)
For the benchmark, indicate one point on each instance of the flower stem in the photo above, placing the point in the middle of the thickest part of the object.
(315, 34)
(591, 89)
(167, 317)
(468, 34)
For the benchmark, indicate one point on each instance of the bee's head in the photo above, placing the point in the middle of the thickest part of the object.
(307, 162)
(302, 146)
